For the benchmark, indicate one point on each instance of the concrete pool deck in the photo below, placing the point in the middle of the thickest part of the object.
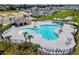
(60, 43)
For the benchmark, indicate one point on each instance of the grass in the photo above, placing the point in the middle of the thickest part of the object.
(77, 48)
(13, 50)
(1, 45)
(8, 13)
(63, 14)
(3, 28)
(9, 51)
(60, 14)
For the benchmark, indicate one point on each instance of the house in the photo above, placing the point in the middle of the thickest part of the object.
(21, 22)
(68, 18)
(58, 19)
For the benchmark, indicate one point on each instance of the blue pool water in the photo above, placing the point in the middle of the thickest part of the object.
(47, 31)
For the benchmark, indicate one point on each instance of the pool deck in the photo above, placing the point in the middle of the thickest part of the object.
(38, 39)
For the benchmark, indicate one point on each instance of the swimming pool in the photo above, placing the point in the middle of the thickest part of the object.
(47, 31)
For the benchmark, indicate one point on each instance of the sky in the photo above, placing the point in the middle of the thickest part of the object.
(39, 1)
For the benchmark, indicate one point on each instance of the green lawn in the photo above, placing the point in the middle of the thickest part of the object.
(9, 51)
(1, 45)
(77, 48)
(63, 14)
(13, 50)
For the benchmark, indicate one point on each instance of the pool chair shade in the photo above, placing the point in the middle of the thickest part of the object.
(15, 24)
(25, 23)
(21, 24)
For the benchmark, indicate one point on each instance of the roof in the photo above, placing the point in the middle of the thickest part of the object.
(27, 14)
(68, 18)
(58, 19)
(21, 20)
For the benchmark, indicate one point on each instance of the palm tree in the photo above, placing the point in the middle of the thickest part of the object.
(10, 19)
(13, 18)
(35, 48)
(25, 34)
(24, 16)
(35, 20)
(61, 25)
(29, 37)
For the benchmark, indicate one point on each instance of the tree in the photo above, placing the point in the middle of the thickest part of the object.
(35, 20)
(25, 34)
(12, 8)
(10, 19)
(35, 48)
(29, 37)
(61, 25)
(24, 16)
